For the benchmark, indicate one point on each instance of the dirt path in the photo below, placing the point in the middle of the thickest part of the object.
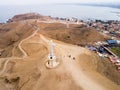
(21, 49)
(78, 75)
(60, 21)
(5, 66)
(20, 44)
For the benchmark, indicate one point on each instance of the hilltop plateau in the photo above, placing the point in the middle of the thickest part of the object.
(24, 50)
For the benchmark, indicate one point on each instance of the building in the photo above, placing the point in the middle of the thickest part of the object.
(112, 42)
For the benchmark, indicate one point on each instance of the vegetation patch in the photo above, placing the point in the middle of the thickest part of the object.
(116, 50)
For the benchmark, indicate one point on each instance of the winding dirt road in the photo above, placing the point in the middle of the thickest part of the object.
(21, 49)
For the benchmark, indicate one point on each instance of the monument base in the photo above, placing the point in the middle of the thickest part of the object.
(52, 63)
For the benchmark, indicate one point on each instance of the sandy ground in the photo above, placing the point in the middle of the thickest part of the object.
(71, 66)
(68, 75)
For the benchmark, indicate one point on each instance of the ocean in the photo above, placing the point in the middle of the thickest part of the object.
(61, 10)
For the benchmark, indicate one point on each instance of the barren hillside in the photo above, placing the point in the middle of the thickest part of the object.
(29, 16)
(25, 52)
(75, 34)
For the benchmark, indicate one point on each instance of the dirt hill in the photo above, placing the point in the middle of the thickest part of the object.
(29, 16)
(12, 33)
(76, 34)
(26, 49)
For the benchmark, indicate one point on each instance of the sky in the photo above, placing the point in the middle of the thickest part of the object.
(28, 2)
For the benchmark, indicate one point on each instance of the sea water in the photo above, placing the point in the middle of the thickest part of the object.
(60, 10)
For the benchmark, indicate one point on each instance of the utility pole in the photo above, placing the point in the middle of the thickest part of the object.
(67, 23)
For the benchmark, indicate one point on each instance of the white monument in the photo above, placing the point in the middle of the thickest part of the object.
(51, 63)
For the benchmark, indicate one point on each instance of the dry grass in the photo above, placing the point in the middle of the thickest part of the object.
(69, 75)
(76, 34)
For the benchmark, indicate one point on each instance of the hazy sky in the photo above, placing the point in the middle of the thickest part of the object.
(11, 2)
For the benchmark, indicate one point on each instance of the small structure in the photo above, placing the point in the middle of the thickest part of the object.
(114, 60)
(118, 41)
(52, 63)
(92, 48)
(112, 42)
